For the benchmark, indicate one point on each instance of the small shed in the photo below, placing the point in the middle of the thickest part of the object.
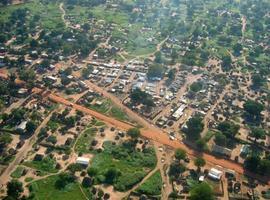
(244, 150)
(83, 161)
(22, 126)
(215, 174)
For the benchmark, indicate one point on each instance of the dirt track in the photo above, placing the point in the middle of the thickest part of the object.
(151, 132)
(157, 135)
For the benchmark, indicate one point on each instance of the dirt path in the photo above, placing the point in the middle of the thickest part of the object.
(153, 133)
(15, 105)
(127, 193)
(208, 115)
(149, 131)
(66, 22)
(180, 93)
(244, 24)
(22, 152)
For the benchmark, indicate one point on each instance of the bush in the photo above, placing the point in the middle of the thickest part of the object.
(152, 186)
(87, 182)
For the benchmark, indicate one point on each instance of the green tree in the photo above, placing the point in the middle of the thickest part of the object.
(228, 128)
(257, 133)
(194, 127)
(199, 162)
(237, 48)
(158, 57)
(33, 43)
(264, 167)
(134, 133)
(64, 179)
(257, 80)
(87, 71)
(226, 62)
(180, 154)
(5, 139)
(27, 75)
(253, 108)
(30, 127)
(155, 71)
(138, 96)
(202, 191)
(252, 162)
(220, 139)
(200, 144)
(111, 175)
(195, 87)
(176, 169)
(14, 189)
(171, 74)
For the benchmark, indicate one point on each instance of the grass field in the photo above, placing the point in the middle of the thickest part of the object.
(45, 190)
(50, 13)
(132, 165)
(84, 141)
(17, 173)
(152, 186)
(109, 109)
(46, 165)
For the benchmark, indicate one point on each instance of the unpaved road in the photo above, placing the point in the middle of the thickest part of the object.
(22, 152)
(151, 132)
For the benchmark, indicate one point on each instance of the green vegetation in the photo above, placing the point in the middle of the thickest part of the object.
(28, 179)
(131, 165)
(84, 141)
(195, 87)
(202, 191)
(134, 133)
(199, 162)
(107, 107)
(14, 189)
(194, 128)
(140, 97)
(117, 113)
(18, 172)
(228, 128)
(50, 15)
(152, 186)
(47, 164)
(46, 189)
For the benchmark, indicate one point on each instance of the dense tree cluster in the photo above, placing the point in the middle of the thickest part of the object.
(140, 97)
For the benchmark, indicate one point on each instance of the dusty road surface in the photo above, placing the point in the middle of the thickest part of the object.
(157, 135)
(153, 133)
(4, 178)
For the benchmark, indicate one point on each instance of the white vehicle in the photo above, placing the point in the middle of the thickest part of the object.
(172, 137)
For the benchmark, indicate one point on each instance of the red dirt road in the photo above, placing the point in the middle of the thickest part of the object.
(160, 137)
(155, 134)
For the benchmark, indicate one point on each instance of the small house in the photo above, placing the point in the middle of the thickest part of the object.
(22, 126)
(83, 161)
(215, 174)
(244, 151)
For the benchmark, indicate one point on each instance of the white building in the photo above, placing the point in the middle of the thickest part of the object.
(179, 112)
(22, 126)
(83, 161)
(215, 174)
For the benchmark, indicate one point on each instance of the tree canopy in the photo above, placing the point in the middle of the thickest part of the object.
(155, 71)
(254, 108)
(199, 162)
(194, 127)
(202, 191)
(257, 133)
(134, 133)
(228, 128)
(140, 97)
(14, 189)
(180, 154)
